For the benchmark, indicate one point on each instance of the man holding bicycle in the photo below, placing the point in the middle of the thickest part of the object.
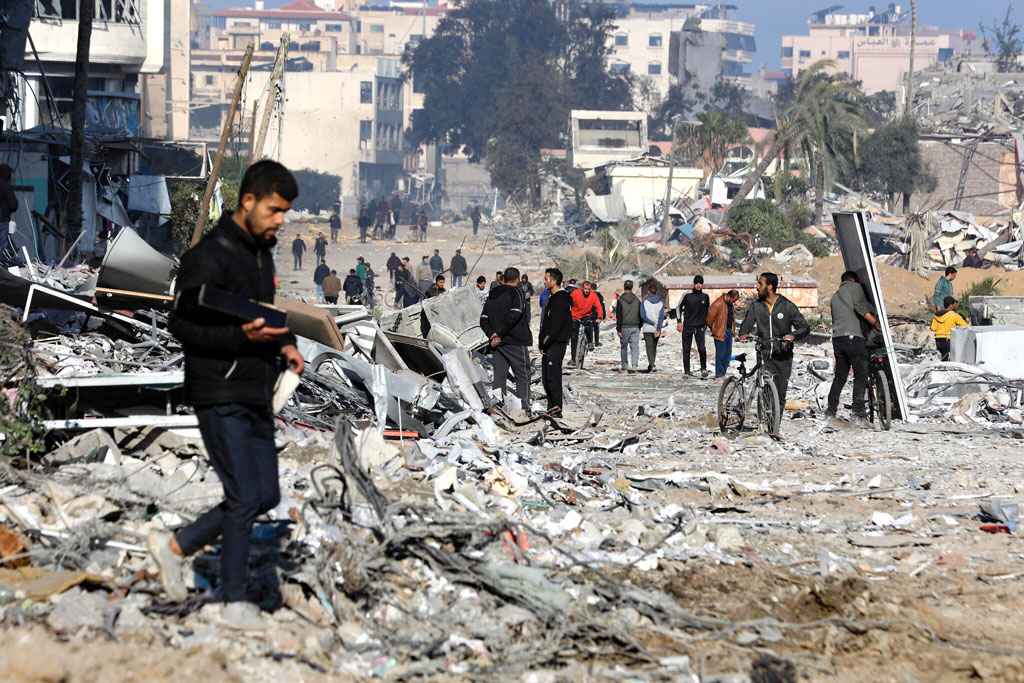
(849, 305)
(779, 320)
(586, 311)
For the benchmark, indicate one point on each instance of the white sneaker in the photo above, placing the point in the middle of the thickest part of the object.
(242, 616)
(159, 545)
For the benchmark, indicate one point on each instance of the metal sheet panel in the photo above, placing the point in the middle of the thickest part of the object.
(855, 245)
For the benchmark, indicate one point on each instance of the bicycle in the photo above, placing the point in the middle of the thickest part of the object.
(735, 397)
(879, 401)
(582, 342)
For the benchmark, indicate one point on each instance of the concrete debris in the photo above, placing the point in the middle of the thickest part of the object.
(969, 102)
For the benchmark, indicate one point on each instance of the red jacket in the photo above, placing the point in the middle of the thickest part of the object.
(583, 305)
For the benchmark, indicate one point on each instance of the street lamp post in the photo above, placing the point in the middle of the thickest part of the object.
(666, 220)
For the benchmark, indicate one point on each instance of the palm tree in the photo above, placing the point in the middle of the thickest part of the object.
(824, 109)
(709, 141)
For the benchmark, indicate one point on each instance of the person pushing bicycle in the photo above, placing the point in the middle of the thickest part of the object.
(775, 316)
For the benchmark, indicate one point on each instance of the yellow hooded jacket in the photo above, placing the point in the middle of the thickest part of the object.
(942, 324)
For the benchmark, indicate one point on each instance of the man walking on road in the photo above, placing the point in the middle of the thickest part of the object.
(943, 288)
(652, 312)
(298, 249)
(459, 268)
(507, 326)
(692, 314)
(849, 305)
(364, 223)
(230, 372)
(335, 223)
(436, 264)
(319, 274)
(555, 330)
(320, 247)
(424, 275)
(722, 321)
(475, 217)
(392, 264)
(332, 288)
(775, 316)
(627, 326)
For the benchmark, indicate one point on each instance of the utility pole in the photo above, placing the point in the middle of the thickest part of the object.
(913, 44)
(666, 220)
(272, 90)
(86, 8)
(225, 133)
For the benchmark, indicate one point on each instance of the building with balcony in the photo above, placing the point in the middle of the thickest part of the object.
(393, 30)
(310, 27)
(873, 48)
(665, 43)
(128, 39)
(597, 138)
(346, 122)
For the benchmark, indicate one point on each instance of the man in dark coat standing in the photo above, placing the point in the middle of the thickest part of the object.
(555, 330)
(692, 314)
(298, 249)
(506, 323)
(230, 371)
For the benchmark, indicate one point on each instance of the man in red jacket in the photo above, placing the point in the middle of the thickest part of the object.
(586, 311)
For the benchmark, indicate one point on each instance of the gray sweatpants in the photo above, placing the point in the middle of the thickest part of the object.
(516, 358)
(629, 345)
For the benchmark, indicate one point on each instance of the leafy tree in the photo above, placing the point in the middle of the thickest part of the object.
(679, 101)
(708, 142)
(889, 161)
(765, 221)
(820, 118)
(1008, 38)
(316, 186)
(475, 59)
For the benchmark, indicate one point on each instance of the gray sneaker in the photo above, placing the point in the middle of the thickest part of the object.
(159, 545)
(242, 616)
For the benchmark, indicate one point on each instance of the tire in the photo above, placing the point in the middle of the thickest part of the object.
(581, 348)
(730, 406)
(879, 402)
(769, 412)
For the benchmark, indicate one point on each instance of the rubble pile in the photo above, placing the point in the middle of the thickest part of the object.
(969, 103)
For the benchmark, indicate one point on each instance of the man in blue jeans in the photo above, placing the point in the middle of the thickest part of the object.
(722, 321)
(231, 367)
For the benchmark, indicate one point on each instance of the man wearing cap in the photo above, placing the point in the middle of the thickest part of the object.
(459, 268)
(692, 314)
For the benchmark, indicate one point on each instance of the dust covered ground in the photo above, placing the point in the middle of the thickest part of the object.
(832, 554)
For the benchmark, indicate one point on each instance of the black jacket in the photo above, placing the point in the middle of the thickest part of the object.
(459, 265)
(221, 364)
(320, 273)
(692, 310)
(556, 320)
(352, 285)
(784, 318)
(8, 201)
(505, 314)
(436, 264)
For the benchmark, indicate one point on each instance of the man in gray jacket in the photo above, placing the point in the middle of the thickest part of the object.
(849, 305)
(627, 325)
(775, 317)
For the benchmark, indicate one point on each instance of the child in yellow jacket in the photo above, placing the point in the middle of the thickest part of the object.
(943, 324)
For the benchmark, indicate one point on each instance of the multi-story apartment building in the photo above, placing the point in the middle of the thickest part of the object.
(393, 30)
(128, 39)
(873, 48)
(658, 43)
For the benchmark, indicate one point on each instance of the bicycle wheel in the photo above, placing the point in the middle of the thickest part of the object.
(581, 348)
(768, 409)
(879, 402)
(730, 406)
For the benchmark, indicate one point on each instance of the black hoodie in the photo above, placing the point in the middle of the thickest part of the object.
(505, 315)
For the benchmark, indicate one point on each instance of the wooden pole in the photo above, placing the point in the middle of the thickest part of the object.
(86, 8)
(910, 72)
(666, 220)
(268, 106)
(225, 133)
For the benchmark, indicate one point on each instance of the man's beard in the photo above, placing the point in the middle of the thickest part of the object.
(762, 297)
(261, 240)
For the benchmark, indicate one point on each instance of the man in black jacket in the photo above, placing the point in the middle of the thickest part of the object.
(692, 314)
(504, 320)
(555, 330)
(230, 372)
(319, 274)
(353, 287)
(8, 205)
(775, 316)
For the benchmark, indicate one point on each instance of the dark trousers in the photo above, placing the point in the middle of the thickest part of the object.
(577, 327)
(780, 371)
(551, 373)
(239, 439)
(334, 234)
(516, 358)
(330, 299)
(943, 346)
(298, 260)
(651, 344)
(850, 353)
(476, 226)
(691, 334)
(723, 354)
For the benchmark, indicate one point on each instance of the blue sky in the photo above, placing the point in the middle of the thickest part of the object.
(775, 18)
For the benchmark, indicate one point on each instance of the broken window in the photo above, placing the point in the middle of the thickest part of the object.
(365, 134)
(654, 69)
(621, 40)
(654, 40)
(619, 69)
(365, 92)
